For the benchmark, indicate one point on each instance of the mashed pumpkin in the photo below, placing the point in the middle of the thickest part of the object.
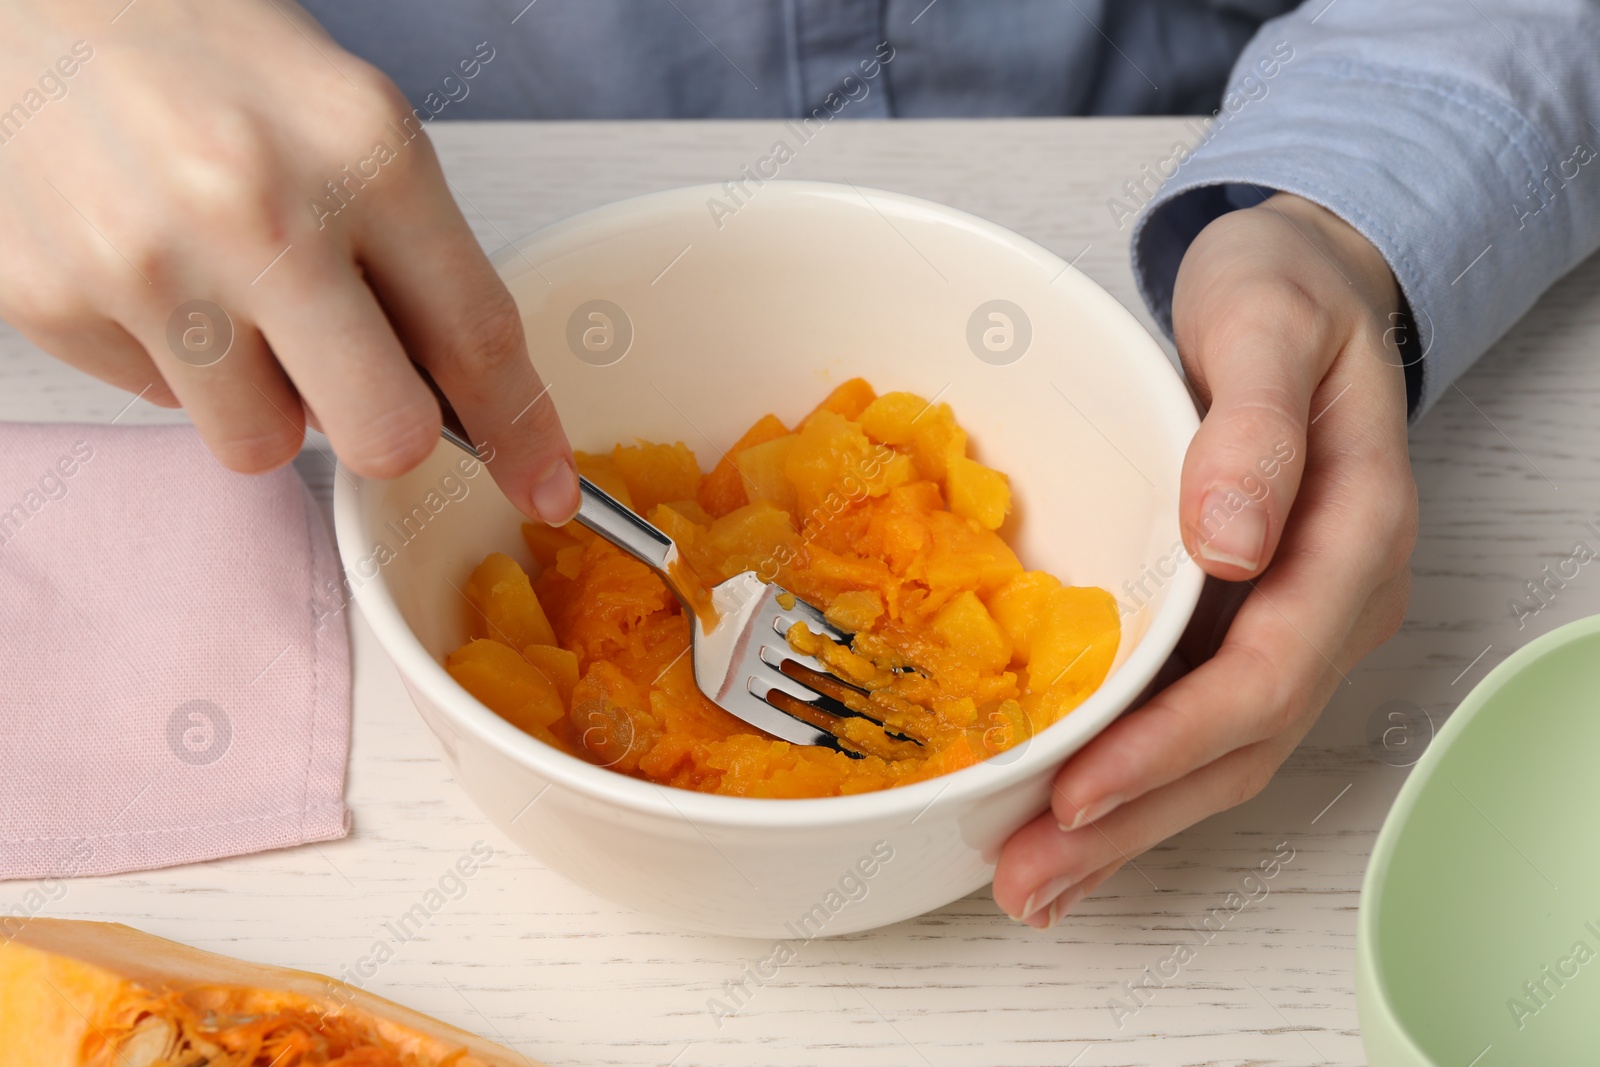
(869, 508)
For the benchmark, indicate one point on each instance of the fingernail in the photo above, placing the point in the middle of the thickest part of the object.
(555, 495)
(1063, 904)
(1233, 529)
(1044, 895)
(1094, 812)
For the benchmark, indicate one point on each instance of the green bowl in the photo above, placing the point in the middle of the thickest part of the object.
(1479, 937)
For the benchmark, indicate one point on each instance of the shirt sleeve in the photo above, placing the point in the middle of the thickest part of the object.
(1458, 136)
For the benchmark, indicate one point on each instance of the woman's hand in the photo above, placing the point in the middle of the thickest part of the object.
(232, 153)
(1298, 502)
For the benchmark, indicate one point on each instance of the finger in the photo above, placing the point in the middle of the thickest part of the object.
(1218, 606)
(1041, 861)
(1259, 351)
(333, 339)
(1286, 651)
(459, 321)
(238, 398)
(103, 349)
(1051, 906)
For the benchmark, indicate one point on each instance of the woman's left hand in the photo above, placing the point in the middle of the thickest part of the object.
(1297, 500)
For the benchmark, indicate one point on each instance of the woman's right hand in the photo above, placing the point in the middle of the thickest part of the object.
(230, 153)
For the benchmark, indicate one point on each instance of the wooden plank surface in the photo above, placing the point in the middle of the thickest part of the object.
(1507, 467)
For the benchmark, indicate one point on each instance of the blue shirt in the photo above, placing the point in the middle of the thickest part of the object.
(1458, 136)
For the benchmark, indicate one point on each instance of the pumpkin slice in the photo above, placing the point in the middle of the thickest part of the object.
(91, 994)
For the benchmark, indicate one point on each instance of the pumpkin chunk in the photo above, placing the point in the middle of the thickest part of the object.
(848, 399)
(981, 494)
(655, 474)
(765, 475)
(1020, 607)
(510, 685)
(505, 607)
(724, 488)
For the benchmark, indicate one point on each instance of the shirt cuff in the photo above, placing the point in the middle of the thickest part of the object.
(1422, 167)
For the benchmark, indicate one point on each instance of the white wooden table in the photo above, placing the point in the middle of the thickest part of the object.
(1507, 478)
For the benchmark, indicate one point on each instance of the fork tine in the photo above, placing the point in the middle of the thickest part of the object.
(763, 686)
(827, 705)
(815, 735)
(798, 689)
(772, 657)
(773, 678)
(777, 655)
(761, 713)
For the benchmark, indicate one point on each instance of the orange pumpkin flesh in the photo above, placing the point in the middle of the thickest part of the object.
(871, 509)
(90, 994)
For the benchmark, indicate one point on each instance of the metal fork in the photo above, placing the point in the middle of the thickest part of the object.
(739, 646)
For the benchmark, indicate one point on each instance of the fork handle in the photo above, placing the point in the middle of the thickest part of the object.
(597, 509)
(608, 517)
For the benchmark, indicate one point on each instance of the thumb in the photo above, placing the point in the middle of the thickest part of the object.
(1243, 468)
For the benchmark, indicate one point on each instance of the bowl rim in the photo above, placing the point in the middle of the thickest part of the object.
(1369, 975)
(1161, 385)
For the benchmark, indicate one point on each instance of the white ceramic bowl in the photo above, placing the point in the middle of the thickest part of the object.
(765, 308)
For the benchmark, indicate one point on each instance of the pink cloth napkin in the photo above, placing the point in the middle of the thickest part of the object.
(173, 687)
